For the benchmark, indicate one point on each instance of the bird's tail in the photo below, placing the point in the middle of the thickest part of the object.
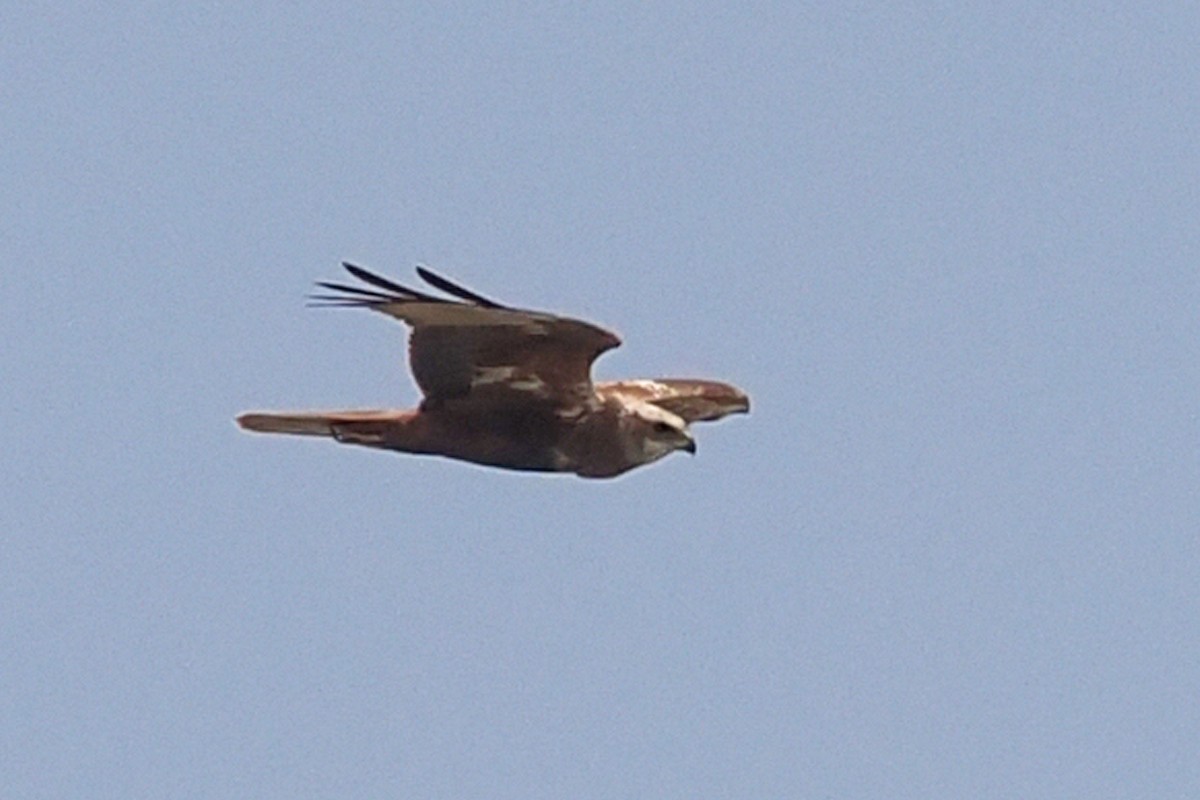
(359, 427)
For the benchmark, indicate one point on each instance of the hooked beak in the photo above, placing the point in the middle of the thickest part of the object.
(690, 447)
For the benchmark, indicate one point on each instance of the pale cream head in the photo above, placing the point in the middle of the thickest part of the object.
(657, 432)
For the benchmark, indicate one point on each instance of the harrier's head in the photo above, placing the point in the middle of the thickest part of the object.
(657, 432)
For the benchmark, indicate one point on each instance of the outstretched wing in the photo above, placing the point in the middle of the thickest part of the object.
(694, 400)
(473, 347)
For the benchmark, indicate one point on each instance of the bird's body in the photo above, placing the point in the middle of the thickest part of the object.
(510, 388)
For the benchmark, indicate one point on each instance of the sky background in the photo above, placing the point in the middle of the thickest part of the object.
(950, 249)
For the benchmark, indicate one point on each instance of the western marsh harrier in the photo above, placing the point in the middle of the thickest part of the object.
(510, 388)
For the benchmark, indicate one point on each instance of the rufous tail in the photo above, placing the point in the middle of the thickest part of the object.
(363, 427)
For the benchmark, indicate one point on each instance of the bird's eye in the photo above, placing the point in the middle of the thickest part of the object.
(663, 427)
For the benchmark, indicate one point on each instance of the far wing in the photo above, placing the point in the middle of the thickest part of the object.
(693, 399)
(475, 347)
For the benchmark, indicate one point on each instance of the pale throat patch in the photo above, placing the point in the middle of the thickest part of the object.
(653, 413)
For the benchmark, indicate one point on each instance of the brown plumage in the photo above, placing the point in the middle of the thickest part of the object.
(509, 388)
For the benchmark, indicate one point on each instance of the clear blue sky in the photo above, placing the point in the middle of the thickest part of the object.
(950, 250)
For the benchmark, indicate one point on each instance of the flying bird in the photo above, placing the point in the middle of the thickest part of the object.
(510, 388)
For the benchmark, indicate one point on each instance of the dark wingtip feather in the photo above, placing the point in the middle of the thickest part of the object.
(331, 301)
(383, 283)
(354, 296)
(373, 279)
(355, 290)
(449, 287)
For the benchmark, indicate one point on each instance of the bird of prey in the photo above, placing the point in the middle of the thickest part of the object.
(510, 388)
